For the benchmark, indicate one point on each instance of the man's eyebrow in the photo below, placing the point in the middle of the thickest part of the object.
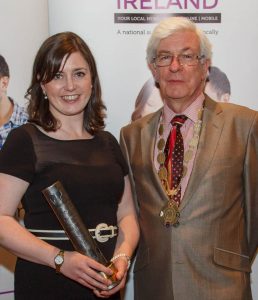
(182, 50)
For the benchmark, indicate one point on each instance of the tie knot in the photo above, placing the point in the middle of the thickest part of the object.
(178, 120)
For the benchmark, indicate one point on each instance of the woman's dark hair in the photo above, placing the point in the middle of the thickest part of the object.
(47, 63)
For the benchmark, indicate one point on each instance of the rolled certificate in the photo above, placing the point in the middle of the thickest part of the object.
(74, 227)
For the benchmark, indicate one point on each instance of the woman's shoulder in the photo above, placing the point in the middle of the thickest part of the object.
(23, 134)
(107, 138)
(27, 127)
(104, 134)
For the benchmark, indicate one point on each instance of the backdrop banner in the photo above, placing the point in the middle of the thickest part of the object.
(118, 30)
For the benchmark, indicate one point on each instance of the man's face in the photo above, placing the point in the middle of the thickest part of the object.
(179, 83)
(4, 80)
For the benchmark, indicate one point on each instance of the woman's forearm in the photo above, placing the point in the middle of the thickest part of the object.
(16, 239)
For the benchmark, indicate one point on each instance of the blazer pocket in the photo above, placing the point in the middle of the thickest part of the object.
(232, 260)
(142, 260)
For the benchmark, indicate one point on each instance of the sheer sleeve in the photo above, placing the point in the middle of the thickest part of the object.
(17, 157)
(118, 153)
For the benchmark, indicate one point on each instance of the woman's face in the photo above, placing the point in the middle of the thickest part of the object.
(4, 80)
(70, 89)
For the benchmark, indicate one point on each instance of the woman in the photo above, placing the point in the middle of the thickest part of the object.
(64, 140)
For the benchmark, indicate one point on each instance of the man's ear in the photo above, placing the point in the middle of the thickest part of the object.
(225, 97)
(4, 81)
(154, 72)
(206, 66)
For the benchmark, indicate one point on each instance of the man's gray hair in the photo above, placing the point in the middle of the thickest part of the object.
(173, 25)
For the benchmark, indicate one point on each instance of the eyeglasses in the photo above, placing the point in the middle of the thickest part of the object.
(164, 60)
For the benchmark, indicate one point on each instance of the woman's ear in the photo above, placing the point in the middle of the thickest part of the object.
(44, 91)
(43, 88)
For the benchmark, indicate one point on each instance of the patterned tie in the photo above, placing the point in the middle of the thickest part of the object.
(174, 152)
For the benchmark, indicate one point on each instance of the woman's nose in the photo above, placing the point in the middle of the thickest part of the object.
(69, 83)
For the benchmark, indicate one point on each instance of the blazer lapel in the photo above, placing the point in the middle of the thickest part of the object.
(148, 138)
(213, 123)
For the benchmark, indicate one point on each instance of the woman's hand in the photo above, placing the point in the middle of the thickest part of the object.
(85, 271)
(121, 265)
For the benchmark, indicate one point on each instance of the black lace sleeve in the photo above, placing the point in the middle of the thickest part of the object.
(117, 152)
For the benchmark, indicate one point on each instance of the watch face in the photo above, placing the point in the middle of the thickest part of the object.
(59, 259)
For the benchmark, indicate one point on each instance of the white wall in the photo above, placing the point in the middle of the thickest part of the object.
(23, 26)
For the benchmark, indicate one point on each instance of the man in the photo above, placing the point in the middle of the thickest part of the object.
(11, 114)
(198, 227)
(218, 86)
(147, 101)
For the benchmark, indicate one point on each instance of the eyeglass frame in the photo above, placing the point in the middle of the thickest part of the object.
(177, 56)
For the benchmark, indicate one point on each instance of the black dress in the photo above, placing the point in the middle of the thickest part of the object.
(92, 172)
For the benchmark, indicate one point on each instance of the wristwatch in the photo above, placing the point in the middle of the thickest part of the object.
(59, 260)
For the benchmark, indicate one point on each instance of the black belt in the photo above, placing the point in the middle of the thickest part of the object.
(101, 233)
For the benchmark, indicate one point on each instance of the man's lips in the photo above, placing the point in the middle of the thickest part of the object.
(175, 81)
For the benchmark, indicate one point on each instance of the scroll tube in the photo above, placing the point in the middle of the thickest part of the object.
(74, 227)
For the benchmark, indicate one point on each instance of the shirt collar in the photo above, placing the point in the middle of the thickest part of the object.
(14, 113)
(191, 111)
(18, 115)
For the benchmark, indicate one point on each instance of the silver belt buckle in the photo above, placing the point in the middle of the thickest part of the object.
(104, 238)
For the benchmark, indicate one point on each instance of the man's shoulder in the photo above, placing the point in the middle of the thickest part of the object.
(140, 123)
(20, 115)
(238, 111)
(231, 109)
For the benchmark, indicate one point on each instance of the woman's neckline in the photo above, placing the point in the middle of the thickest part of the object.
(42, 132)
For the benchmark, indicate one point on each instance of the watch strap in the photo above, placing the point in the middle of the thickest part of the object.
(58, 266)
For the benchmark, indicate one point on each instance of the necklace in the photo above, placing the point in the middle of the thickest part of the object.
(170, 212)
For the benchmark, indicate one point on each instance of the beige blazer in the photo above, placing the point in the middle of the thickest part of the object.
(209, 255)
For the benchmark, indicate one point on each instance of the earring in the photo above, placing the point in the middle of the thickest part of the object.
(45, 95)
